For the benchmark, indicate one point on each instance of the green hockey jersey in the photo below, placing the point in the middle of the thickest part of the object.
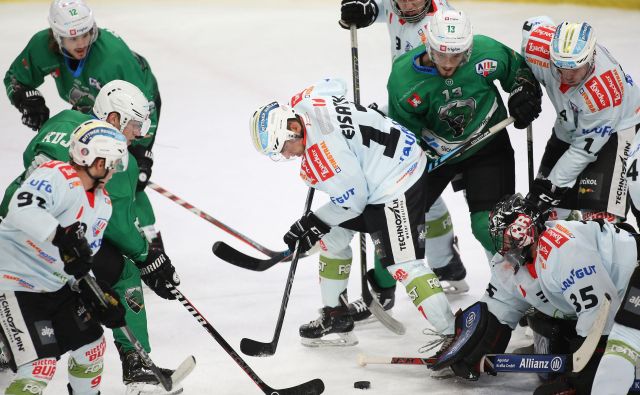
(109, 59)
(446, 112)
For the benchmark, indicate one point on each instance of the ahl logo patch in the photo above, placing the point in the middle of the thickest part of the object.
(486, 67)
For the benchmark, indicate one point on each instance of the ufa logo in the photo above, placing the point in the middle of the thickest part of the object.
(486, 67)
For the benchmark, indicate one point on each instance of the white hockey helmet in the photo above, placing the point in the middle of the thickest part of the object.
(127, 100)
(449, 32)
(412, 15)
(573, 45)
(268, 128)
(71, 18)
(97, 139)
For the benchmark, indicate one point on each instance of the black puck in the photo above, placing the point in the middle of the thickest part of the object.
(363, 385)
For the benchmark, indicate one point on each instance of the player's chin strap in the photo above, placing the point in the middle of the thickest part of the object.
(96, 180)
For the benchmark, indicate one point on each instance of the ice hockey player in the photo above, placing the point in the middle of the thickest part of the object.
(54, 226)
(445, 91)
(125, 253)
(617, 370)
(564, 269)
(82, 58)
(405, 23)
(373, 170)
(583, 166)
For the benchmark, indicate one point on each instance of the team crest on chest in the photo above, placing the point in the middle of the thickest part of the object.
(486, 67)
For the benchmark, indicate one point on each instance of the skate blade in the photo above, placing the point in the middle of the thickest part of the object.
(151, 389)
(454, 287)
(343, 340)
(442, 374)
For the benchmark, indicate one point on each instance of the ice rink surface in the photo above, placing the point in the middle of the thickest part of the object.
(215, 63)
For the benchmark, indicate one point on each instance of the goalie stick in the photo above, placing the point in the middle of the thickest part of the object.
(212, 220)
(312, 387)
(166, 381)
(260, 349)
(467, 145)
(521, 363)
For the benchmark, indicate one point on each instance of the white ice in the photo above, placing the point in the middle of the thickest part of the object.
(216, 61)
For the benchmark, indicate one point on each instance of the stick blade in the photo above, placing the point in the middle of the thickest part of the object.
(230, 255)
(255, 348)
(582, 356)
(388, 321)
(313, 387)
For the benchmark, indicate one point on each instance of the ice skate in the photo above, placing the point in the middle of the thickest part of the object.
(140, 380)
(452, 275)
(334, 327)
(359, 309)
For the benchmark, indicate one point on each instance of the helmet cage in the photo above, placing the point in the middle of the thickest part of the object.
(417, 17)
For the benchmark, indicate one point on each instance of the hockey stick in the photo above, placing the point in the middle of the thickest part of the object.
(372, 303)
(530, 153)
(467, 145)
(315, 386)
(260, 349)
(230, 255)
(521, 363)
(210, 219)
(106, 300)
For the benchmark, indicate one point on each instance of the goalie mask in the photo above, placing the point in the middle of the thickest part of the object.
(269, 130)
(514, 225)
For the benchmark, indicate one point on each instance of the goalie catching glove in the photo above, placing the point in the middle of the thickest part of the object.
(309, 230)
(159, 274)
(478, 332)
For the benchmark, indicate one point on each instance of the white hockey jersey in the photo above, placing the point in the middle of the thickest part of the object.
(52, 195)
(608, 101)
(405, 36)
(354, 154)
(576, 263)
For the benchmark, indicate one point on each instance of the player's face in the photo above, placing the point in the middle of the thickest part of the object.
(447, 63)
(295, 147)
(77, 47)
(133, 130)
(573, 77)
(411, 7)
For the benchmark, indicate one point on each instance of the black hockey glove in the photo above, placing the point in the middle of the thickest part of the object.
(309, 230)
(159, 274)
(31, 104)
(525, 103)
(362, 13)
(111, 316)
(74, 249)
(144, 158)
(545, 195)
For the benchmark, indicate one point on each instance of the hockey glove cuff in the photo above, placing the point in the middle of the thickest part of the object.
(362, 13)
(144, 158)
(159, 274)
(31, 104)
(525, 103)
(309, 230)
(75, 251)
